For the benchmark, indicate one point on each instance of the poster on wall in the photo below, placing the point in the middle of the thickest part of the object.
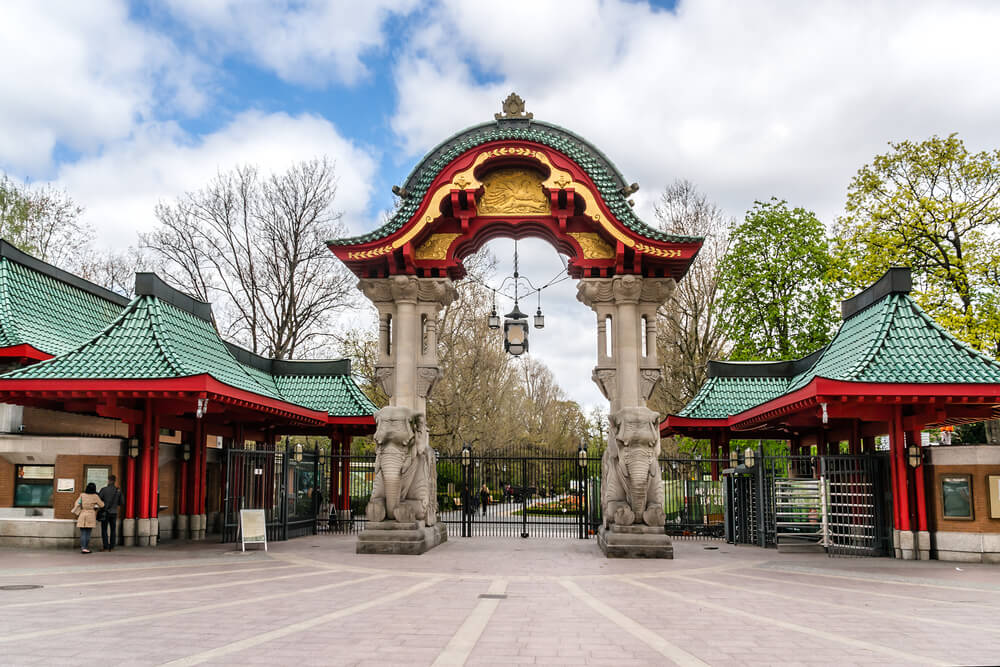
(993, 484)
(97, 474)
(65, 485)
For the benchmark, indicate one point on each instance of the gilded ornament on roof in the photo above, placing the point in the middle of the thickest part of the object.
(593, 245)
(513, 192)
(435, 247)
(513, 107)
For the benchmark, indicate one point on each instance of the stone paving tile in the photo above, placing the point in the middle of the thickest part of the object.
(891, 604)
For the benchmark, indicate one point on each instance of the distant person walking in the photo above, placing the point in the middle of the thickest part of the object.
(484, 497)
(85, 508)
(112, 497)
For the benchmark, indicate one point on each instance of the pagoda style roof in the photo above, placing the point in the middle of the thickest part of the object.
(45, 311)
(168, 339)
(608, 180)
(887, 347)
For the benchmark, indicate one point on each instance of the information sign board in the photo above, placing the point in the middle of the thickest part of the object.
(253, 528)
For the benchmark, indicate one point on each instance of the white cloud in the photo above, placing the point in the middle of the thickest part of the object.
(747, 100)
(81, 74)
(121, 186)
(311, 43)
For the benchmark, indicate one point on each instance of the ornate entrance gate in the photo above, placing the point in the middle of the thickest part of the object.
(515, 178)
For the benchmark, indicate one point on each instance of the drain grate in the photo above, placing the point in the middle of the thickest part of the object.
(711, 548)
(20, 587)
(493, 596)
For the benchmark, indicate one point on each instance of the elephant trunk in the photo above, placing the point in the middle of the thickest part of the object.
(638, 472)
(391, 460)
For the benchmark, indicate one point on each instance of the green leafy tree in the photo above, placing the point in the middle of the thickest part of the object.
(44, 222)
(776, 280)
(935, 207)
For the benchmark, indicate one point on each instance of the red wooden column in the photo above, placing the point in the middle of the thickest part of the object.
(900, 493)
(130, 488)
(716, 446)
(182, 502)
(334, 495)
(345, 471)
(855, 441)
(920, 499)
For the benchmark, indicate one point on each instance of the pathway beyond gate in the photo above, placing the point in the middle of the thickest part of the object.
(313, 601)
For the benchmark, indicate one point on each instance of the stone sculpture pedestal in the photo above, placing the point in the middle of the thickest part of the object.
(410, 538)
(637, 541)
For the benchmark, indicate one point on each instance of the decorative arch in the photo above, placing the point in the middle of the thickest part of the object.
(516, 179)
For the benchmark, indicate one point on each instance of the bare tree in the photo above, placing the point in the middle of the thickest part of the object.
(113, 269)
(258, 246)
(689, 335)
(44, 222)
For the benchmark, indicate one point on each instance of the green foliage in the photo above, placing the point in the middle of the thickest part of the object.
(43, 222)
(777, 301)
(935, 207)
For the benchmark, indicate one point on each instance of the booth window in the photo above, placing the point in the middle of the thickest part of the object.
(33, 486)
(956, 496)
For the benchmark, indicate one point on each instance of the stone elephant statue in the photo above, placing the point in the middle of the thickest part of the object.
(631, 484)
(405, 484)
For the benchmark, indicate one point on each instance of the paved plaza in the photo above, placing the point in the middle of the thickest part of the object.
(313, 601)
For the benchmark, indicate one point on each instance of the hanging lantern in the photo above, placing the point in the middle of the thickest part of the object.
(494, 319)
(298, 452)
(515, 332)
(539, 319)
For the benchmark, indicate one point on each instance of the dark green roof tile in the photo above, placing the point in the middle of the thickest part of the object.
(599, 168)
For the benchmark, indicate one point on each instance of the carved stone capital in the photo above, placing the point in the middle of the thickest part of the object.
(657, 290)
(648, 377)
(606, 380)
(409, 289)
(386, 376)
(627, 289)
(427, 377)
(594, 291)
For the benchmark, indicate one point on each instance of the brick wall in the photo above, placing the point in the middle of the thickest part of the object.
(72, 466)
(981, 522)
(6, 483)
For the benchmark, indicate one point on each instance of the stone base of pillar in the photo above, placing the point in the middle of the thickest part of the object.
(182, 527)
(202, 521)
(128, 532)
(400, 537)
(636, 541)
(142, 532)
(923, 544)
(154, 532)
(907, 545)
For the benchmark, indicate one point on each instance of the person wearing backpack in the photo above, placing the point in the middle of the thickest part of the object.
(112, 497)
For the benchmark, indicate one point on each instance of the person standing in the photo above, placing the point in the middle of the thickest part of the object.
(85, 509)
(484, 497)
(111, 495)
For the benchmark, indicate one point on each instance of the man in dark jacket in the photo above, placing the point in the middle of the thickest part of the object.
(112, 497)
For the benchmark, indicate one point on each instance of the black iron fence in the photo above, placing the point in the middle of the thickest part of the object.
(526, 494)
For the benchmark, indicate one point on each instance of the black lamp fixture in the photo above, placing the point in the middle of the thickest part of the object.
(466, 456)
(186, 451)
(915, 456)
(515, 324)
(298, 452)
(133, 448)
(581, 457)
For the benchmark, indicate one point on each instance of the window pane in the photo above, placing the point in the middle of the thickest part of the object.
(33, 495)
(956, 497)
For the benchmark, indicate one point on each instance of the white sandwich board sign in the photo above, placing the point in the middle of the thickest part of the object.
(253, 528)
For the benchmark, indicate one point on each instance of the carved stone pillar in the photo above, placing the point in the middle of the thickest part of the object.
(631, 484)
(402, 510)
(628, 374)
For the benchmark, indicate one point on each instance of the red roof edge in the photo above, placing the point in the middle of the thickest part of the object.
(24, 351)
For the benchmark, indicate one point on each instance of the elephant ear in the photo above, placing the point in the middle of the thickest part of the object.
(614, 422)
(654, 423)
(418, 422)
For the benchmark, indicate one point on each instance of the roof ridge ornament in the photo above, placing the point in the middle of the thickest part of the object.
(513, 107)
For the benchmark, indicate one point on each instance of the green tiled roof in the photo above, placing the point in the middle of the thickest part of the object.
(599, 168)
(151, 340)
(337, 394)
(164, 334)
(47, 308)
(720, 397)
(889, 341)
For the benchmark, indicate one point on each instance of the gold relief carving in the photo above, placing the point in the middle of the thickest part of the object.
(513, 192)
(435, 247)
(658, 252)
(370, 254)
(593, 245)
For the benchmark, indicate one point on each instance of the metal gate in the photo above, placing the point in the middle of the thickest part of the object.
(516, 494)
(284, 486)
(836, 502)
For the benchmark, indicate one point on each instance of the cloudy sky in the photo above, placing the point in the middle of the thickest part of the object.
(126, 104)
